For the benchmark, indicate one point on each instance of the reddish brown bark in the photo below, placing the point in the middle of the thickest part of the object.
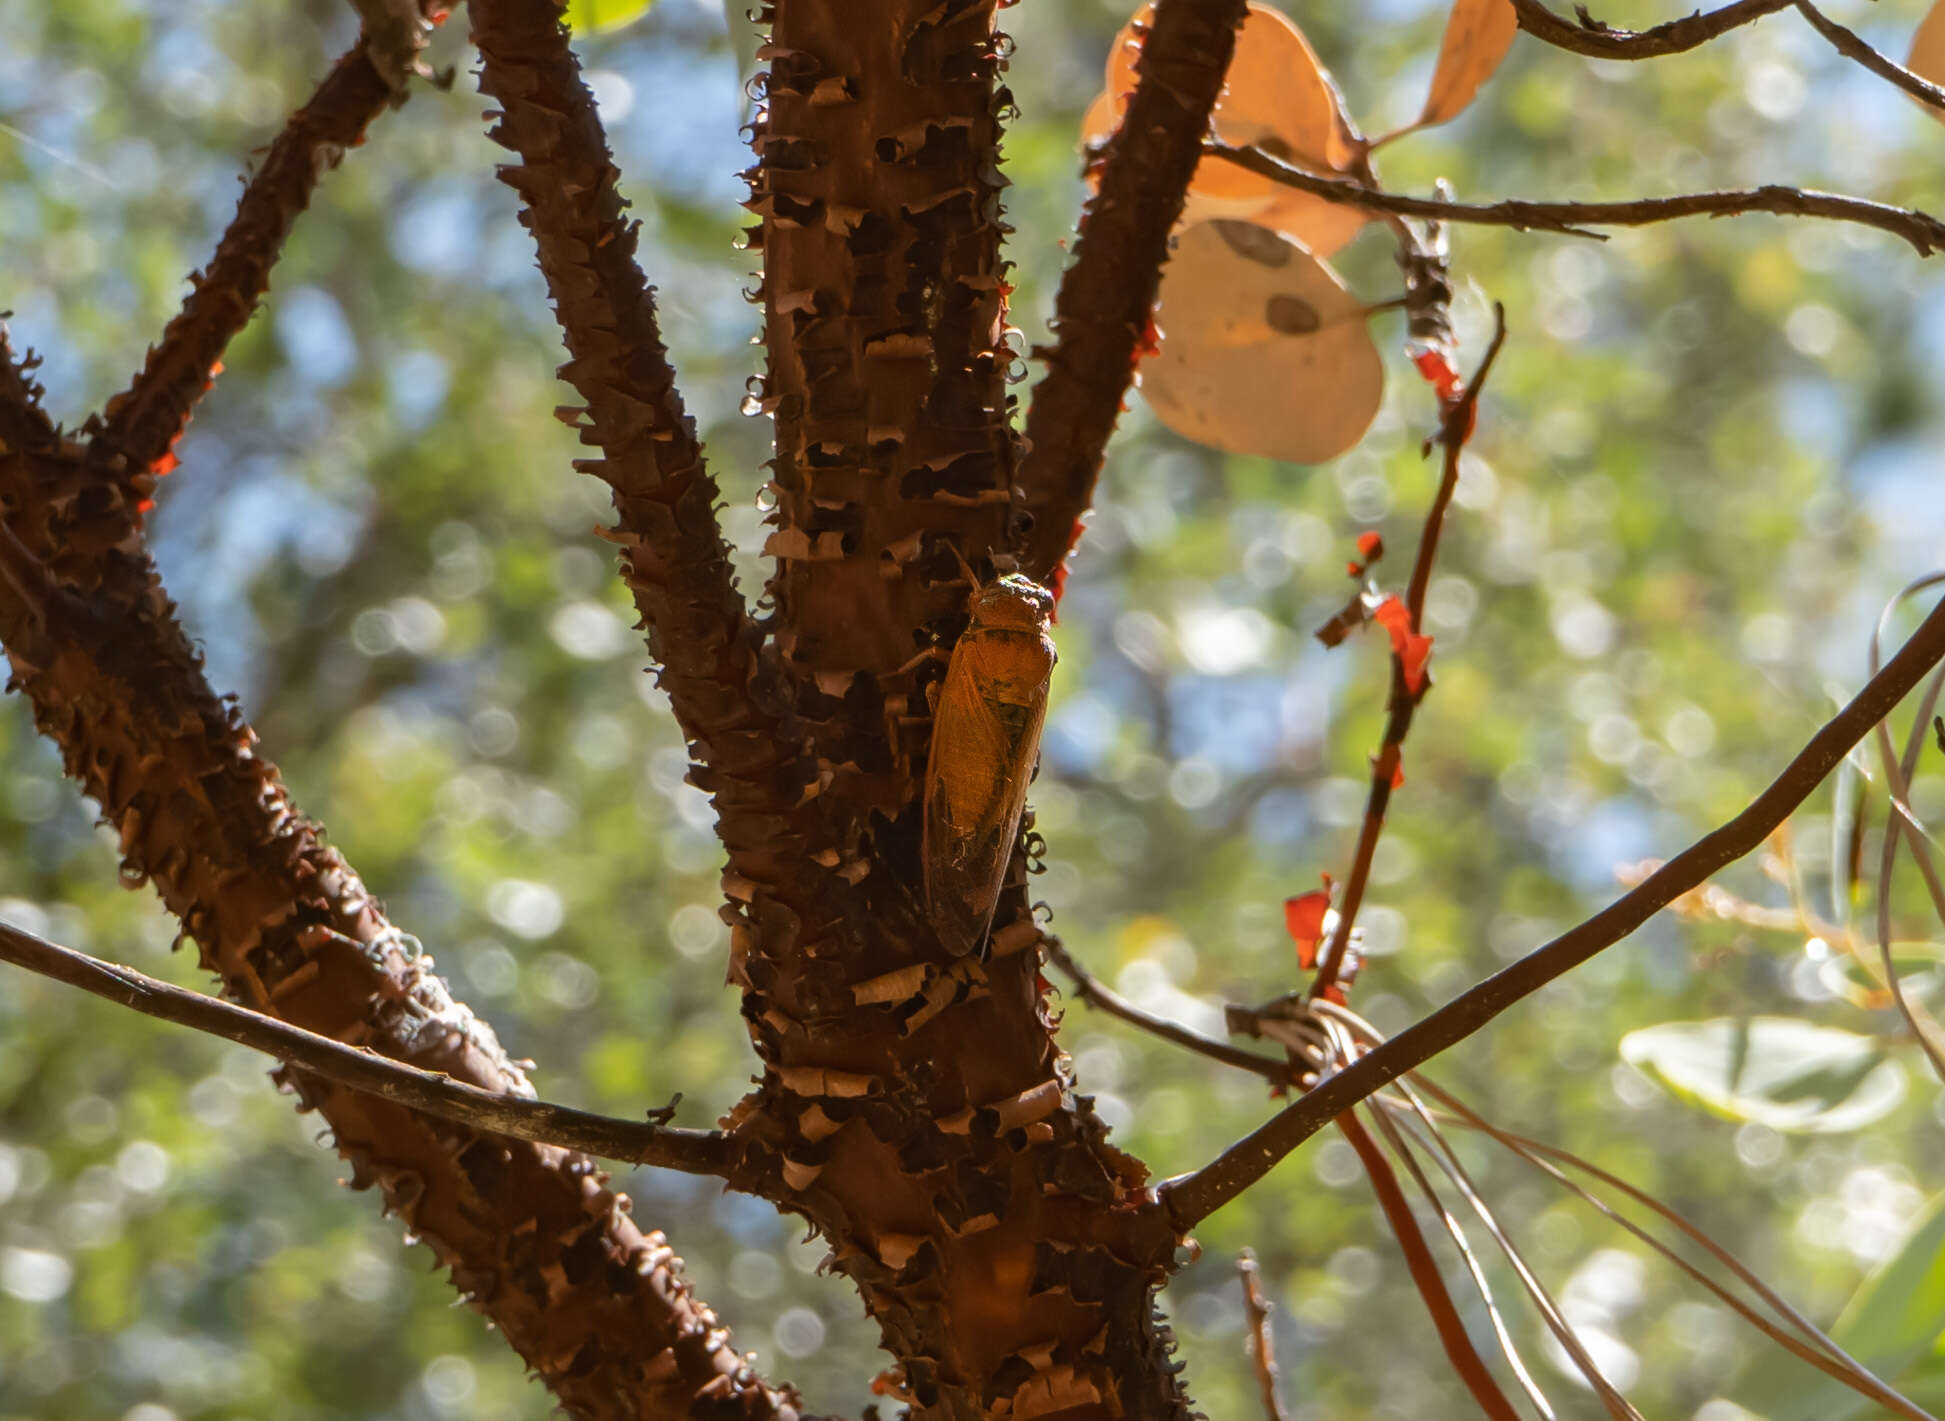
(1101, 315)
(914, 1105)
(132, 440)
(530, 1233)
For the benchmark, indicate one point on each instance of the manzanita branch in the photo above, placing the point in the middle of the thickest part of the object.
(133, 438)
(1591, 37)
(1923, 231)
(1101, 313)
(202, 814)
(1455, 427)
(1851, 45)
(673, 555)
(1190, 1198)
(361, 1069)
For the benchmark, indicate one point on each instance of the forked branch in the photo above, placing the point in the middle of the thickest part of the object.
(428, 1092)
(1190, 1198)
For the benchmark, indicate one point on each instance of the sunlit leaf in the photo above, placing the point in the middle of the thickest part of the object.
(1263, 350)
(1477, 35)
(587, 16)
(1776, 1071)
(1928, 50)
(1893, 1320)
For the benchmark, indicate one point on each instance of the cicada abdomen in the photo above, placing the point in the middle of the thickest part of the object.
(985, 735)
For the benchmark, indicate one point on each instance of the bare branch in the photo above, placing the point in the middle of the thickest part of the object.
(1257, 1310)
(1924, 232)
(1852, 46)
(1190, 1198)
(1455, 427)
(673, 555)
(1592, 38)
(203, 814)
(134, 436)
(1102, 310)
(1089, 989)
(362, 1069)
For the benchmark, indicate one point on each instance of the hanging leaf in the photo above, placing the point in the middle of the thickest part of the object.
(1263, 351)
(1928, 50)
(586, 16)
(1477, 35)
(1892, 1321)
(1775, 1071)
(1279, 98)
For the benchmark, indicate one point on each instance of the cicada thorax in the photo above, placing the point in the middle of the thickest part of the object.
(985, 736)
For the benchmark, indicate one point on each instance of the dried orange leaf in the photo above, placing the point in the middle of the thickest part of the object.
(1477, 35)
(1928, 49)
(1263, 350)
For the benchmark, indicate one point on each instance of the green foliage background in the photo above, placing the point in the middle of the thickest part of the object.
(1707, 457)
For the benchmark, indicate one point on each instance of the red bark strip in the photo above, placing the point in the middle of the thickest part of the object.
(1425, 1276)
(532, 1237)
(137, 431)
(1109, 289)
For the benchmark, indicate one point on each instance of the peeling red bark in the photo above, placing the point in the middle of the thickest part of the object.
(133, 439)
(532, 1236)
(1108, 291)
(915, 1107)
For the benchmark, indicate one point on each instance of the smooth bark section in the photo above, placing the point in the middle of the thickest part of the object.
(1101, 315)
(1925, 233)
(1190, 1198)
(532, 1237)
(359, 1068)
(673, 556)
(132, 440)
(1599, 41)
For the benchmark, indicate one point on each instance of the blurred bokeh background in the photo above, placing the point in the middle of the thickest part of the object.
(1707, 457)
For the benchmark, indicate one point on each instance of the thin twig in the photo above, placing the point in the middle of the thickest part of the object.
(1851, 45)
(1257, 1309)
(1563, 1332)
(135, 436)
(1819, 1351)
(1455, 427)
(1592, 38)
(1902, 825)
(1107, 292)
(1190, 1198)
(428, 1092)
(1089, 989)
(1924, 232)
(1459, 1350)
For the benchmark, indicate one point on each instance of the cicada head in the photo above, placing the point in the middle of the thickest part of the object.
(1011, 603)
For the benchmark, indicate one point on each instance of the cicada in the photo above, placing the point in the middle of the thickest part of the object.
(985, 735)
